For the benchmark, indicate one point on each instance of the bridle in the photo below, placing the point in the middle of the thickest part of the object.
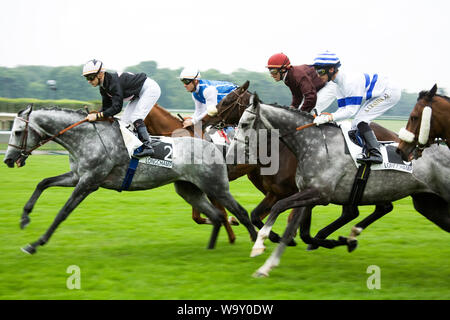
(422, 138)
(23, 143)
(225, 113)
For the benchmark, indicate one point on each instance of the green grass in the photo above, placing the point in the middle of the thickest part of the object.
(144, 245)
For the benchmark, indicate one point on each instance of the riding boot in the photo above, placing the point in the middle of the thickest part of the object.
(147, 149)
(372, 146)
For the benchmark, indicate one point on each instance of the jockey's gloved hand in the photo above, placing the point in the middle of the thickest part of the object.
(323, 118)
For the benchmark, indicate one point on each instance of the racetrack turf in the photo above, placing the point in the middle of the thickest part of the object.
(144, 245)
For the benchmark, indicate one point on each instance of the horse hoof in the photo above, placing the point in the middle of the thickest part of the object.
(292, 243)
(257, 252)
(29, 249)
(260, 274)
(24, 222)
(352, 245)
(312, 247)
(232, 221)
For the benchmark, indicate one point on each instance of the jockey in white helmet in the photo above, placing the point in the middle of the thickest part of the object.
(362, 96)
(205, 93)
(141, 91)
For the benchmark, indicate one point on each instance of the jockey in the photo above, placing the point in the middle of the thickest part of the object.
(115, 88)
(362, 96)
(303, 80)
(205, 93)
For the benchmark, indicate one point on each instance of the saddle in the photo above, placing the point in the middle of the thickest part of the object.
(391, 160)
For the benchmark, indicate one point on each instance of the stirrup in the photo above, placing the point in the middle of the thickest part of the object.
(146, 152)
(362, 158)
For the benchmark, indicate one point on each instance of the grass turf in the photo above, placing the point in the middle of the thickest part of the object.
(144, 245)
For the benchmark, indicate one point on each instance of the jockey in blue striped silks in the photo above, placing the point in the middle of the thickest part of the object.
(205, 93)
(361, 96)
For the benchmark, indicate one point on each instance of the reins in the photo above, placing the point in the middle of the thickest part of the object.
(41, 143)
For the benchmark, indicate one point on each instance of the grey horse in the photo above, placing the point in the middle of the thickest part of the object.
(326, 173)
(98, 158)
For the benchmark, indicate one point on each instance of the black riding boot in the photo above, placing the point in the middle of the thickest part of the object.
(147, 149)
(373, 154)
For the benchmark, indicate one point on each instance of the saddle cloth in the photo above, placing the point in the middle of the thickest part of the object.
(391, 160)
(163, 149)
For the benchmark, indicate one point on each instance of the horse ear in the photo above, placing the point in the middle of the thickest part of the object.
(432, 92)
(30, 106)
(256, 100)
(245, 85)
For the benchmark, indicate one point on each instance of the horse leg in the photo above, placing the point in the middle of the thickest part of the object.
(348, 214)
(380, 211)
(261, 211)
(306, 196)
(197, 199)
(197, 218)
(68, 179)
(274, 259)
(434, 208)
(259, 247)
(226, 223)
(81, 191)
(226, 199)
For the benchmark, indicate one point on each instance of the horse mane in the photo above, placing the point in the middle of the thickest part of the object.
(424, 93)
(303, 113)
(58, 108)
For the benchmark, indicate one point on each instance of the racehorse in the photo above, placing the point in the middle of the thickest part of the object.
(281, 185)
(326, 174)
(98, 158)
(429, 119)
(161, 122)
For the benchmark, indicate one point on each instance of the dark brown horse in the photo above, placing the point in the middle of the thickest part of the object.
(282, 185)
(430, 119)
(161, 122)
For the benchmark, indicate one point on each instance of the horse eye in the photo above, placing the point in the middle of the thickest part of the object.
(414, 118)
(244, 125)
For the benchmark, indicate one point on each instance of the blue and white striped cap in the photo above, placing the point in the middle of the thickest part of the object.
(326, 58)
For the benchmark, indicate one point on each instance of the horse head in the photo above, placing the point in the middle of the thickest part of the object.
(230, 109)
(419, 132)
(21, 138)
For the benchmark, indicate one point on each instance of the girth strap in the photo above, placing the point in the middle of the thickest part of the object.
(359, 184)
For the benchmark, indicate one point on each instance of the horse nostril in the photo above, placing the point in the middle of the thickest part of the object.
(9, 162)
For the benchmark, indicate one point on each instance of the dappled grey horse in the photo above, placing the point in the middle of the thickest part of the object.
(98, 158)
(325, 174)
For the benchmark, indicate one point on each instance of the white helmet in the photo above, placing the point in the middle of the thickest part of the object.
(93, 66)
(190, 73)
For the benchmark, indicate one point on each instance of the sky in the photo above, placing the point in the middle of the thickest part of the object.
(407, 40)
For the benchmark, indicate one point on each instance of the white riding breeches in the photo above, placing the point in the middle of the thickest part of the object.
(376, 106)
(140, 107)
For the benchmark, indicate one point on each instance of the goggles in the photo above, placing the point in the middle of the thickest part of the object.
(90, 77)
(186, 81)
(274, 71)
(321, 72)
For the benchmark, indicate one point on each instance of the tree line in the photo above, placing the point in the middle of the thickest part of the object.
(32, 82)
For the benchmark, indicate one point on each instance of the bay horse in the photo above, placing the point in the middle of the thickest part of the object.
(429, 120)
(98, 158)
(160, 122)
(326, 174)
(281, 185)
